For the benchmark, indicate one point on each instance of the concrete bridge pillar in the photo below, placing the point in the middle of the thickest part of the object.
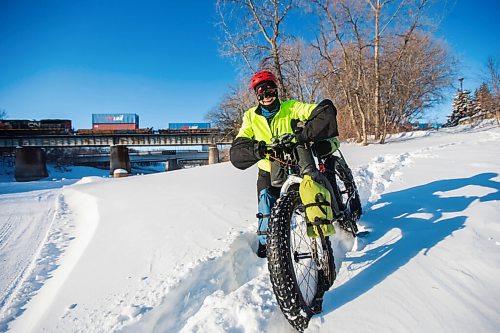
(30, 164)
(119, 159)
(213, 154)
(172, 164)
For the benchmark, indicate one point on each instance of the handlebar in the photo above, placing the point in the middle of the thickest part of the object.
(283, 141)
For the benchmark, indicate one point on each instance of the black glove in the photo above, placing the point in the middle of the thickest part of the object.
(301, 137)
(298, 130)
(259, 149)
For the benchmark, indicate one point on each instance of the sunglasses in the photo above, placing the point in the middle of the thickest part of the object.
(265, 93)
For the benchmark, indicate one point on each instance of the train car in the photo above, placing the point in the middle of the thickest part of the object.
(113, 127)
(115, 121)
(25, 127)
(186, 126)
(99, 131)
(189, 131)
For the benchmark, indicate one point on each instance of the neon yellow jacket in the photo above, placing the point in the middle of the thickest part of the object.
(256, 126)
(321, 124)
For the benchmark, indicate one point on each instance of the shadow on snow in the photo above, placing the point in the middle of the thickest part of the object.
(395, 210)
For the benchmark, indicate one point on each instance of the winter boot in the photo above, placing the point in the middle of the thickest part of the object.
(261, 251)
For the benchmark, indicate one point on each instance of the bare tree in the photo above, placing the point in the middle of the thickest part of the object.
(253, 36)
(494, 81)
(252, 30)
(3, 114)
(494, 75)
(228, 114)
(340, 30)
(374, 40)
(303, 74)
(416, 76)
(395, 11)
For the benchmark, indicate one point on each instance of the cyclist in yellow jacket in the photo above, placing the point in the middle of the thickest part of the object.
(270, 118)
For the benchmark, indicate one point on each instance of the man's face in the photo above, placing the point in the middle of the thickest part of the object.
(267, 101)
(266, 95)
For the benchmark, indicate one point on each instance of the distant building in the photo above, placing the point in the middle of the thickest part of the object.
(423, 126)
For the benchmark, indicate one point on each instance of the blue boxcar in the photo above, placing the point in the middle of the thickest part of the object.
(115, 118)
(184, 126)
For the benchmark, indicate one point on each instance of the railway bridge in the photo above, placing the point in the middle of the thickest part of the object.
(30, 159)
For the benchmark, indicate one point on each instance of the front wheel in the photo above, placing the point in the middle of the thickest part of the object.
(301, 268)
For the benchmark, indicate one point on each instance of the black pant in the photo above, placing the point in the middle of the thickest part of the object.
(264, 181)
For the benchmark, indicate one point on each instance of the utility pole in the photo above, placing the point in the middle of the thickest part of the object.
(461, 80)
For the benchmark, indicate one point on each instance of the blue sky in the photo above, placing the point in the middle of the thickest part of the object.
(159, 59)
(472, 30)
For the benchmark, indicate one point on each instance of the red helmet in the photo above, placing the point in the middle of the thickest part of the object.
(262, 76)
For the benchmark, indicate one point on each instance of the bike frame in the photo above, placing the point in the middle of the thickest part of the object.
(290, 180)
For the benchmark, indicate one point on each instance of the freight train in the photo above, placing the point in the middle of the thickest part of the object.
(63, 127)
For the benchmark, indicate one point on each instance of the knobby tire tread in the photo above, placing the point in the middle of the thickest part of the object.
(281, 267)
(342, 173)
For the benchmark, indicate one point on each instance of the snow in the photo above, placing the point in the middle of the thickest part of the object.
(174, 252)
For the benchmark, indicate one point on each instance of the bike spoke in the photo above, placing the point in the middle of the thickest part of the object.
(308, 281)
(305, 257)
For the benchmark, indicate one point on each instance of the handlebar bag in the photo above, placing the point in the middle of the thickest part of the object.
(318, 204)
(326, 147)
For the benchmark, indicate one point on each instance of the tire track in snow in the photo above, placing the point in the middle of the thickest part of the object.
(374, 178)
(23, 234)
(38, 271)
(59, 237)
(5, 231)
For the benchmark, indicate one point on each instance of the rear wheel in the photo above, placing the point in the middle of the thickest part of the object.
(346, 193)
(301, 268)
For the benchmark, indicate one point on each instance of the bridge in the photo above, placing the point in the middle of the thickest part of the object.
(30, 160)
(53, 141)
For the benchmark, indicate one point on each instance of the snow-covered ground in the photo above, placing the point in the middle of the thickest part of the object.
(174, 252)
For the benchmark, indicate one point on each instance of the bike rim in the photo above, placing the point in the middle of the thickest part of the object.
(304, 253)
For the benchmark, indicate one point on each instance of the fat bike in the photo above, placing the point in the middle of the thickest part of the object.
(302, 268)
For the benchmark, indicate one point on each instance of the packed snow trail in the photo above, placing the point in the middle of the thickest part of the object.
(51, 253)
(22, 234)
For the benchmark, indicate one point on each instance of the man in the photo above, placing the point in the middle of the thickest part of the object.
(271, 118)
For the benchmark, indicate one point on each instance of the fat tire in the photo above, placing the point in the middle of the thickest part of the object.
(341, 173)
(281, 269)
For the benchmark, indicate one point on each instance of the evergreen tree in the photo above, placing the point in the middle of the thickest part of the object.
(463, 107)
(483, 99)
